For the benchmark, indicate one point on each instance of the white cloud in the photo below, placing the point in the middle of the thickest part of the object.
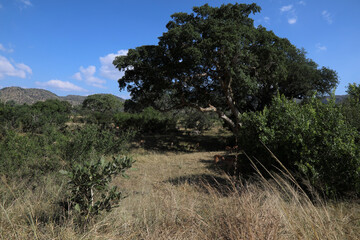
(286, 8)
(320, 47)
(4, 49)
(87, 74)
(13, 69)
(327, 16)
(107, 69)
(27, 3)
(61, 85)
(290, 12)
(77, 76)
(24, 67)
(302, 3)
(292, 20)
(266, 19)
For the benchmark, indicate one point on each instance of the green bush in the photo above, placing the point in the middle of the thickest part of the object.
(313, 139)
(89, 185)
(192, 118)
(35, 118)
(30, 155)
(351, 106)
(93, 140)
(148, 121)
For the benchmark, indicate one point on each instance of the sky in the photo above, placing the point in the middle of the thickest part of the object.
(68, 46)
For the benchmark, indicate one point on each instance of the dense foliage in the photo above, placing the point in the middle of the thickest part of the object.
(100, 108)
(103, 103)
(38, 139)
(351, 106)
(313, 139)
(190, 118)
(33, 118)
(147, 121)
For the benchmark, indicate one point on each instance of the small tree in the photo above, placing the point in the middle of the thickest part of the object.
(89, 185)
(103, 103)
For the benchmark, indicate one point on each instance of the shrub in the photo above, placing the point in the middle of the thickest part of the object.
(351, 106)
(89, 185)
(312, 139)
(94, 140)
(30, 155)
(35, 118)
(192, 118)
(148, 121)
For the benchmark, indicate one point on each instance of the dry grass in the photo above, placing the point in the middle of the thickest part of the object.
(177, 196)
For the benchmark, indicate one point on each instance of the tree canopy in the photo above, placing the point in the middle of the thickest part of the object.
(103, 103)
(215, 59)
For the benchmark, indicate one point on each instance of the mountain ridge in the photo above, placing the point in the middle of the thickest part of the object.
(32, 95)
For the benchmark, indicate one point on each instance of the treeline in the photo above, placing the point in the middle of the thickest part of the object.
(42, 138)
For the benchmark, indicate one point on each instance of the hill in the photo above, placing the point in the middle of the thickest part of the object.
(29, 96)
(338, 98)
(32, 95)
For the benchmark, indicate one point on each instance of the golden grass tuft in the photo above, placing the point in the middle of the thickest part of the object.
(178, 196)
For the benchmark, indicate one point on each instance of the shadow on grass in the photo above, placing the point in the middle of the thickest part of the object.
(205, 183)
(180, 142)
(224, 184)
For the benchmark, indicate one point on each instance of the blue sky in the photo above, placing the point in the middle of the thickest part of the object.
(67, 47)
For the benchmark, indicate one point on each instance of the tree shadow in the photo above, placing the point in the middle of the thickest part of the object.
(181, 142)
(223, 184)
(206, 183)
(242, 168)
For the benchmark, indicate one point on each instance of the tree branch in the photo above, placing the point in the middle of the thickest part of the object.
(220, 113)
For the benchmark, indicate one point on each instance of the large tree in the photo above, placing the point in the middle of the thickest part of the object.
(214, 59)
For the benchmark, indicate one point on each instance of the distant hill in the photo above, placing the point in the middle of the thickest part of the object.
(338, 98)
(32, 95)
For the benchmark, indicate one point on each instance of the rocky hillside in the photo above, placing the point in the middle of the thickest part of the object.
(32, 95)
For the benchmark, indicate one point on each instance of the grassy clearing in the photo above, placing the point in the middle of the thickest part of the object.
(179, 196)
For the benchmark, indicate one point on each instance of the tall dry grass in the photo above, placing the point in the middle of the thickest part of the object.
(177, 196)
